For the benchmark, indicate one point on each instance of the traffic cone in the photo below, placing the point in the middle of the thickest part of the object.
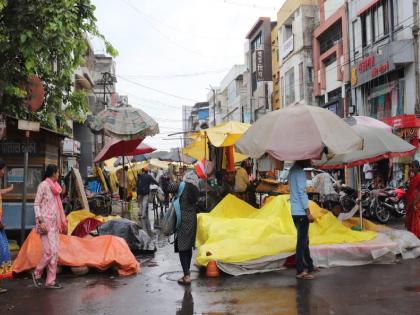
(212, 270)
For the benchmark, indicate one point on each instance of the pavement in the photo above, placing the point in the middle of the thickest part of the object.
(370, 289)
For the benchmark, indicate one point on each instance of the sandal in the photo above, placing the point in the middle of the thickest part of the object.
(53, 286)
(37, 281)
(314, 270)
(304, 276)
(3, 290)
(183, 281)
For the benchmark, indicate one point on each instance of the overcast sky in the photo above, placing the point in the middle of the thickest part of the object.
(177, 47)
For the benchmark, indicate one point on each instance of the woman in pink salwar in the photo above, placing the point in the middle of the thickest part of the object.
(50, 222)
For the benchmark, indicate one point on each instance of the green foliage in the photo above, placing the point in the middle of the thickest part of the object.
(46, 38)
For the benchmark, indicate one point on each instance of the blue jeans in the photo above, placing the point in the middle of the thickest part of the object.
(303, 255)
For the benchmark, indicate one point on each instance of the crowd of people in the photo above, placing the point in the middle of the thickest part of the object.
(51, 221)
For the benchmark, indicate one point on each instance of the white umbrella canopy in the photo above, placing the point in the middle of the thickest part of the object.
(299, 132)
(379, 144)
(367, 121)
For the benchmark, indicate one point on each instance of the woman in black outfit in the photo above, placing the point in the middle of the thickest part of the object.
(185, 238)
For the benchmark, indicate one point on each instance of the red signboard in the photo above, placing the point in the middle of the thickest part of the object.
(403, 121)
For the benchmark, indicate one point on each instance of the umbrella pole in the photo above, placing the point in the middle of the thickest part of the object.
(359, 184)
(205, 169)
(124, 188)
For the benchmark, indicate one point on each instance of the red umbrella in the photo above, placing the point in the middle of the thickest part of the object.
(116, 148)
(142, 148)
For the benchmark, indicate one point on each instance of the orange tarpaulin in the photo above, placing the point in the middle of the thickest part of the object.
(99, 252)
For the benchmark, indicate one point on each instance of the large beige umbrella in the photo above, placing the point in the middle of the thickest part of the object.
(299, 132)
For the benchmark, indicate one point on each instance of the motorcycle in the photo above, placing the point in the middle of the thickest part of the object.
(395, 200)
(379, 209)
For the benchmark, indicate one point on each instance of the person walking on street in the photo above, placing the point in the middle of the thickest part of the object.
(301, 218)
(144, 180)
(122, 176)
(50, 222)
(413, 200)
(185, 235)
(5, 260)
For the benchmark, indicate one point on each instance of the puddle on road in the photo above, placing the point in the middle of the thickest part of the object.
(175, 275)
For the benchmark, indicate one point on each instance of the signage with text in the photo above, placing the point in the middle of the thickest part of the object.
(260, 64)
(372, 66)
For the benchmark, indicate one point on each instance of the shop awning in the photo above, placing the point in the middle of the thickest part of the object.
(382, 91)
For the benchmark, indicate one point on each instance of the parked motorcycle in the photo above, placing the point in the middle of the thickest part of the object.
(395, 200)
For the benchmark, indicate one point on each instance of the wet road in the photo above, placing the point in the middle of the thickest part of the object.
(374, 289)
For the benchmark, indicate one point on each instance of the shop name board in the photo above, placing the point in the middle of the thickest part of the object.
(372, 66)
(260, 64)
(16, 148)
(368, 64)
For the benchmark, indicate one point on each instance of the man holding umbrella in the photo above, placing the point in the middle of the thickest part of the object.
(301, 218)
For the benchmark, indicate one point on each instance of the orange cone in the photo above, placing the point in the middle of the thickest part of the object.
(212, 270)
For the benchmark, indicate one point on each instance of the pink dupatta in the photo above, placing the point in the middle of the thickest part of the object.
(61, 217)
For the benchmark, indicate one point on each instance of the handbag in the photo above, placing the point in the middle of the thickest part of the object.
(172, 218)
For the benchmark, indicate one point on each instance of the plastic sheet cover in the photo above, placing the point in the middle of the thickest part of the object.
(235, 232)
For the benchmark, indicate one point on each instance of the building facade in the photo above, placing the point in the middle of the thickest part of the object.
(258, 77)
(296, 21)
(331, 57)
(231, 95)
(384, 58)
(275, 97)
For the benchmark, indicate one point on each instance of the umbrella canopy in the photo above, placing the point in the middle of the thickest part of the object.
(299, 132)
(124, 123)
(222, 135)
(140, 150)
(116, 148)
(197, 150)
(378, 145)
(367, 121)
(139, 158)
(176, 156)
(226, 134)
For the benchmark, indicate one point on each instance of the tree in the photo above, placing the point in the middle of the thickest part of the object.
(46, 38)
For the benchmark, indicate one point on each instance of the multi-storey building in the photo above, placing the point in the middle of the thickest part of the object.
(384, 58)
(296, 21)
(331, 57)
(258, 77)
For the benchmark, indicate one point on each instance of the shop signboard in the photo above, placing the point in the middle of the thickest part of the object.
(260, 64)
(19, 148)
(372, 66)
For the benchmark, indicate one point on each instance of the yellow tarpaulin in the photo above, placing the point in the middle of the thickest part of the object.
(236, 232)
(75, 217)
(222, 135)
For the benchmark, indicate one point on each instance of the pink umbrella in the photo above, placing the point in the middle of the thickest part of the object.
(367, 121)
(116, 148)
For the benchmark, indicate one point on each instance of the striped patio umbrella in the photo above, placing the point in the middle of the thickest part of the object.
(124, 123)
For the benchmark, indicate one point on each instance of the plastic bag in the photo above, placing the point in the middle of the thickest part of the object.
(169, 222)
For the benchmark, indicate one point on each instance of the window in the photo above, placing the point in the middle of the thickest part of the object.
(397, 13)
(310, 75)
(375, 23)
(366, 30)
(15, 177)
(357, 37)
(289, 87)
(301, 85)
(287, 32)
(256, 43)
